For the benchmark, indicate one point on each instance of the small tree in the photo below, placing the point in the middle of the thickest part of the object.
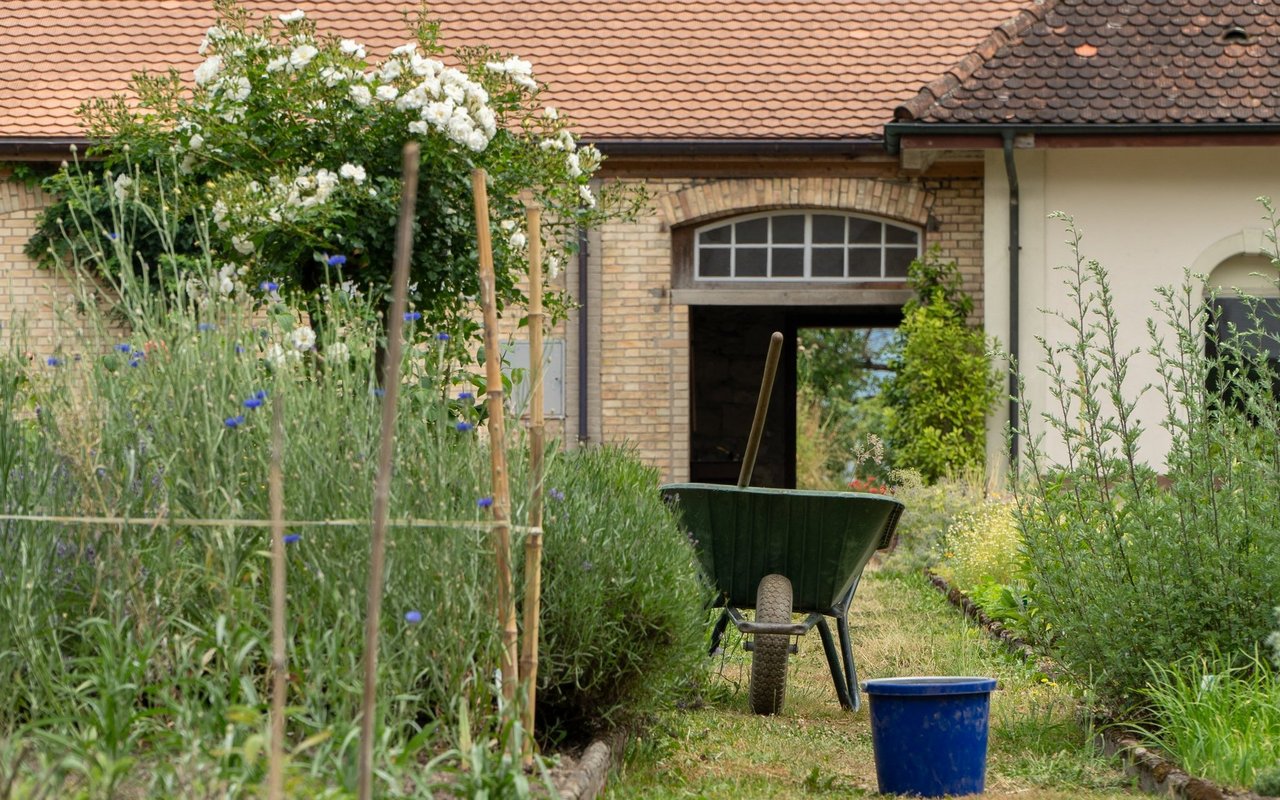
(944, 384)
(285, 155)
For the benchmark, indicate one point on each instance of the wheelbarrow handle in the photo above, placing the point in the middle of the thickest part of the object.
(762, 409)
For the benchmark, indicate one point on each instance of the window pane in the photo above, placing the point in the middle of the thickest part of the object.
(751, 262)
(753, 231)
(896, 261)
(863, 231)
(828, 229)
(864, 262)
(719, 235)
(895, 235)
(828, 262)
(713, 262)
(788, 262)
(788, 229)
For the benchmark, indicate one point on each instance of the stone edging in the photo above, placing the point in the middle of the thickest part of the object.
(586, 778)
(1155, 773)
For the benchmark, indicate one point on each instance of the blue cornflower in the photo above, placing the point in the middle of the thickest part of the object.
(413, 617)
(337, 261)
(53, 361)
(466, 396)
(261, 394)
(205, 327)
(485, 502)
(556, 494)
(465, 426)
(268, 286)
(136, 360)
(113, 236)
(253, 402)
(290, 538)
(124, 348)
(442, 336)
(239, 348)
(234, 422)
(412, 316)
(378, 391)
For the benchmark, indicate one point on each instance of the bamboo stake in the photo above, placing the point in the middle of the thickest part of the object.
(279, 662)
(497, 441)
(386, 453)
(537, 430)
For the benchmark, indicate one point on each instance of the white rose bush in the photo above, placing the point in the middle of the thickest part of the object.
(285, 144)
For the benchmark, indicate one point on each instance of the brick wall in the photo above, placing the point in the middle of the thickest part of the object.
(29, 295)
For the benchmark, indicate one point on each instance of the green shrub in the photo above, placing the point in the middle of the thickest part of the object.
(1131, 571)
(929, 510)
(943, 385)
(1218, 719)
(983, 545)
(623, 617)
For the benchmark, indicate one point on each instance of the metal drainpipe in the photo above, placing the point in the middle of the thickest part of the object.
(1014, 248)
(584, 323)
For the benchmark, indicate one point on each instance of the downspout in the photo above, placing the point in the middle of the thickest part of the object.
(1014, 248)
(584, 322)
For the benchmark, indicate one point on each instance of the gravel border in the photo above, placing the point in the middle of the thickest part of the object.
(1155, 773)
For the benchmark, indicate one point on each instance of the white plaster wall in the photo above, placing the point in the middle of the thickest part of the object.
(1145, 214)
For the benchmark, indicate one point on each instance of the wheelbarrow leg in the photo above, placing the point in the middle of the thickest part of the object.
(851, 669)
(833, 662)
(717, 633)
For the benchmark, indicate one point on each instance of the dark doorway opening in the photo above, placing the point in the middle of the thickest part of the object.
(728, 348)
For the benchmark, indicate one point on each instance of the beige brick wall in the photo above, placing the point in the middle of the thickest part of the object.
(29, 295)
(639, 373)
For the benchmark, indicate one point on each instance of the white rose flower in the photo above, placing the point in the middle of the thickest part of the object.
(587, 197)
(360, 94)
(209, 70)
(405, 49)
(278, 63)
(352, 172)
(386, 93)
(226, 286)
(338, 352)
(331, 76)
(507, 225)
(488, 120)
(419, 127)
(197, 141)
(575, 166)
(438, 114)
(293, 16)
(302, 338)
(352, 48)
(302, 55)
(551, 113)
(243, 246)
(237, 89)
(391, 70)
(122, 184)
(275, 354)
(518, 240)
(477, 141)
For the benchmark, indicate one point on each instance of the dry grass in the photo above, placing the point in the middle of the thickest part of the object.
(1038, 747)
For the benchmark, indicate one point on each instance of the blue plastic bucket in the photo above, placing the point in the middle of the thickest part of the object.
(930, 734)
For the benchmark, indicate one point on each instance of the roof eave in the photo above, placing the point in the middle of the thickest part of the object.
(848, 147)
(40, 147)
(895, 131)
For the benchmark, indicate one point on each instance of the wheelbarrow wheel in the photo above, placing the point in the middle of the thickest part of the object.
(769, 653)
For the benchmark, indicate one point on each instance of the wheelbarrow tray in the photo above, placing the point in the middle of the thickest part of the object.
(821, 541)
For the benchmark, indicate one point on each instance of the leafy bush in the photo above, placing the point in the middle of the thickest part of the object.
(983, 545)
(1216, 718)
(930, 509)
(624, 621)
(1129, 572)
(288, 148)
(943, 384)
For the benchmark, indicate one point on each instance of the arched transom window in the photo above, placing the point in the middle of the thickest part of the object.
(804, 246)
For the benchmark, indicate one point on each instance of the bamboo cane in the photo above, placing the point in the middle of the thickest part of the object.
(279, 663)
(497, 441)
(386, 452)
(537, 429)
(762, 409)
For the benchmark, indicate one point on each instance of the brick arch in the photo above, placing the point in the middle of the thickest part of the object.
(17, 197)
(891, 200)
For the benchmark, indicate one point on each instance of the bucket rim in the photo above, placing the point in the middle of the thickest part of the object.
(926, 685)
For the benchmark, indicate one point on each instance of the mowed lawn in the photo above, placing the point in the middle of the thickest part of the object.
(1039, 744)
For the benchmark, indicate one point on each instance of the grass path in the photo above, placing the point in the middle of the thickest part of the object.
(901, 626)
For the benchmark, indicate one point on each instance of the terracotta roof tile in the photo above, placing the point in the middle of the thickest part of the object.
(651, 69)
(1138, 61)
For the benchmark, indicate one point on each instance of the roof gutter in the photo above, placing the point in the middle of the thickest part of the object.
(51, 147)
(738, 147)
(894, 131)
(1015, 249)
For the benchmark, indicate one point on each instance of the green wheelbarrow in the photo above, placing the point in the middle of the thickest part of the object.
(785, 551)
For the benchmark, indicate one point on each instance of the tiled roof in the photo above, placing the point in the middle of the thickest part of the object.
(1120, 61)
(696, 69)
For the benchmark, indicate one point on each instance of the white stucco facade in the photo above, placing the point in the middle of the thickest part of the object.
(1146, 215)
